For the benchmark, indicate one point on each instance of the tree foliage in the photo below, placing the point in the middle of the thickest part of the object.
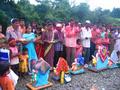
(55, 10)
(116, 13)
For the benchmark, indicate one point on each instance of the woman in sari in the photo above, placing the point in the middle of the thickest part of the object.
(30, 39)
(48, 39)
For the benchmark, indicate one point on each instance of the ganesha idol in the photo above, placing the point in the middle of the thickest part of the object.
(78, 65)
(40, 75)
(100, 61)
(61, 71)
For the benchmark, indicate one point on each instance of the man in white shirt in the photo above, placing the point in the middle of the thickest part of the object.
(86, 38)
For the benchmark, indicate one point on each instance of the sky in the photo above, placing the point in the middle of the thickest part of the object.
(105, 4)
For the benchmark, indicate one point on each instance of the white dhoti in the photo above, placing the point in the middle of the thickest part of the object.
(117, 45)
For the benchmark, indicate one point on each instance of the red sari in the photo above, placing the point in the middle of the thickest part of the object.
(40, 50)
(39, 47)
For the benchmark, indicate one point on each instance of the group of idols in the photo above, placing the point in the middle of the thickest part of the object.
(62, 72)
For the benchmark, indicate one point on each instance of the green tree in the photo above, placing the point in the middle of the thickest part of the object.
(28, 10)
(115, 13)
(81, 12)
(62, 9)
(8, 10)
(3, 20)
(100, 16)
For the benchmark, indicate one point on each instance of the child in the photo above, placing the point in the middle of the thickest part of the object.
(30, 37)
(23, 65)
(79, 48)
(14, 60)
(79, 60)
(5, 82)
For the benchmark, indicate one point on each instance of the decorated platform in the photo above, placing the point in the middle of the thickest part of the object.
(100, 61)
(99, 66)
(29, 86)
(80, 71)
(94, 69)
(40, 75)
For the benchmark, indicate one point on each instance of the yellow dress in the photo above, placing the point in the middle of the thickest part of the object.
(23, 65)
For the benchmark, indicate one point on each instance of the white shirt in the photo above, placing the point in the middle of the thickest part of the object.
(86, 34)
(13, 77)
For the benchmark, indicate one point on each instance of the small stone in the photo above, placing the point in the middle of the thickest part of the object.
(103, 88)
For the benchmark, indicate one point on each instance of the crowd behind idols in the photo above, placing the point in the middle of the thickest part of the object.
(27, 43)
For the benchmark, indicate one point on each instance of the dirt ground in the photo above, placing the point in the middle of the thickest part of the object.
(104, 80)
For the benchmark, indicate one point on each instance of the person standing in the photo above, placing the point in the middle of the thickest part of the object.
(39, 43)
(14, 55)
(93, 39)
(58, 46)
(86, 38)
(29, 36)
(23, 65)
(6, 82)
(34, 26)
(117, 41)
(22, 27)
(13, 30)
(48, 39)
(71, 33)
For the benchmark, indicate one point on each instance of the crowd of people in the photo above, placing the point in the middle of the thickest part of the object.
(28, 43)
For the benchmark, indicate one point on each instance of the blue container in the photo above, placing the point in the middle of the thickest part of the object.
(4, 55)
(42, 79)
(100, 64)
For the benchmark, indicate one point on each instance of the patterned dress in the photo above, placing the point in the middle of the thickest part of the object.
(23, 65)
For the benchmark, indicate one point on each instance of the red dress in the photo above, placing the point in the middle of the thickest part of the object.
(39, 46)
